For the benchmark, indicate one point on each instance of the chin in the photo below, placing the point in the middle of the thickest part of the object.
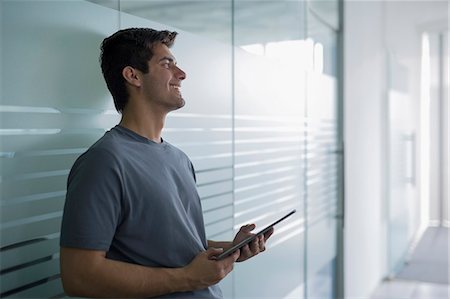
(181, 103)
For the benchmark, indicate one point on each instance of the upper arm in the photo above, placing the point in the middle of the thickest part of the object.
(93, 204)
(75, 260)
(77, 265)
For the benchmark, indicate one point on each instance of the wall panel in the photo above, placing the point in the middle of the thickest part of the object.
(54, 104)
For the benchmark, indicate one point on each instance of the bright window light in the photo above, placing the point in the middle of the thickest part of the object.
(425, 98)
(257, 49)
(302, 54)
(318, 58)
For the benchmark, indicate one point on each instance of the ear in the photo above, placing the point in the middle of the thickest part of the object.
(132, 76)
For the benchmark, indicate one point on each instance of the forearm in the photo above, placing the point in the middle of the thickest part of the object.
(110, 278)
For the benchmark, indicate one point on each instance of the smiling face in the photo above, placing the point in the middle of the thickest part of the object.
(162, 84)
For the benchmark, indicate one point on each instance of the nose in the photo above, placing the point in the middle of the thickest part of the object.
(180, 74)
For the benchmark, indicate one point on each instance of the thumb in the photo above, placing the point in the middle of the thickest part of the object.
(248, 228)
(212, 251)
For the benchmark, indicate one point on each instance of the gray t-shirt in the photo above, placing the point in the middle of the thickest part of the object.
(137, 200)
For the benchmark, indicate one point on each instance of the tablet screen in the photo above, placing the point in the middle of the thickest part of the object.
(241, 244)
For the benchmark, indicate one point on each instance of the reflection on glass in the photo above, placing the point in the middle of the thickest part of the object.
(325, 45)
(326, 11)
(114, 4)
(304, 55)
(210, 19)
(262, 21)
(318, 58)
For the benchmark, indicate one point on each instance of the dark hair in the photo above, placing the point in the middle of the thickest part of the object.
(129, 47)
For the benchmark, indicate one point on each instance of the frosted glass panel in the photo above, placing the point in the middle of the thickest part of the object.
(259, 125)
(321, 184)
(203, 127)
(402, 202)
(268, 170)
(54, 104)
(401, 195)
(323, 153)
(270, 86)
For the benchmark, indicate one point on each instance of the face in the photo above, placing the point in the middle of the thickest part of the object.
(162, 84)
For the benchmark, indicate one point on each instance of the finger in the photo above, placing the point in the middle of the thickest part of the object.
(262, 243)
(246, 251)
(229, 260)
(211, 252)
(236, 255)
(227, 263)
(248, 228)
(254, 246)
(269, 233)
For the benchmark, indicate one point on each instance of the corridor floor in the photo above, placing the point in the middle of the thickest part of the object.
(426, 275)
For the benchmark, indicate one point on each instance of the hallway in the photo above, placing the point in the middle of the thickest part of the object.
(426, 275)
(404, 289)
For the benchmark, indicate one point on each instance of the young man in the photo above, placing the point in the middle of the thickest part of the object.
(132, 223)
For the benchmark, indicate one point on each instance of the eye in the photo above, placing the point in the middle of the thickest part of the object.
(166, 63)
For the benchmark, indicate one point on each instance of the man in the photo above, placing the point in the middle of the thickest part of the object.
(133, 224)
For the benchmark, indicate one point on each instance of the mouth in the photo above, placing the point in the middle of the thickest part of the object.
(175, 86)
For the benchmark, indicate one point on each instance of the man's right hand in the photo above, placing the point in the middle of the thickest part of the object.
(205, 271)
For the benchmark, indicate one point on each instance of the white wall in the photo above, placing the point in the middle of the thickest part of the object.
(370, 28)
(446, 134)
(438, 192)
(364, 67)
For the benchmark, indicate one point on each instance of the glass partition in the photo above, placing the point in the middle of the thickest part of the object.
(402, 221)
(323, 154)
(203, 128)
(269, 106)
(54, 104)
(259, 125)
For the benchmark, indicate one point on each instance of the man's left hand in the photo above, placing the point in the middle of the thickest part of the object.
(253, 248)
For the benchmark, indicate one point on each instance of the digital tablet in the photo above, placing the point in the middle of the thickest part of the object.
(251, 238)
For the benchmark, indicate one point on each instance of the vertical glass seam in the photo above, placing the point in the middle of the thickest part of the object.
(339, 269)
(119, 13)
(233, 134)
(305, 169)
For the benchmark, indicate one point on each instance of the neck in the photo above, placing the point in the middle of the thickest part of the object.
(143, 121)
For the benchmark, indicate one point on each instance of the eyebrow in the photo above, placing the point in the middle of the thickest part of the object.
(168, 58)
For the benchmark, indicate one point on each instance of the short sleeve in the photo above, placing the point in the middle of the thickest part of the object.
(92, 209)
(192, 170)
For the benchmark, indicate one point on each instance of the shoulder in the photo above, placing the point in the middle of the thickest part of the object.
(111, 146)
(175, 150)
(100, 152)
(103, 154)
(178, 153)
(182, 157)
